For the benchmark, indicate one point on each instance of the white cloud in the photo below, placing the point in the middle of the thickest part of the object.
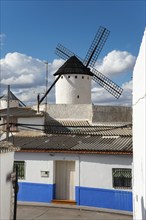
(22, 70)
(117, 65)
(27, 77)
(116, 62)
(102, 97)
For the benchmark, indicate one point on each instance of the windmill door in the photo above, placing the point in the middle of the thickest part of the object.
(65, 186)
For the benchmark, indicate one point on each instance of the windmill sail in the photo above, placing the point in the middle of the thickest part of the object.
(65, 53)
(106, 83)
(96, 47)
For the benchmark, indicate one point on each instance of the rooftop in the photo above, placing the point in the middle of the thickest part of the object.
(73, 66)
(20, 112)
(84, 128)
(6, 146)
(12, 97)
(78, 139)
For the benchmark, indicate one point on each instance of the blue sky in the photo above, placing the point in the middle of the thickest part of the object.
(34, 28)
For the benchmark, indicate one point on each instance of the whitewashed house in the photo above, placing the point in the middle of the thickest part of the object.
(89, 166)
(139, 133)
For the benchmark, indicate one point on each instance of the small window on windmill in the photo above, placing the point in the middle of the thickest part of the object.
(78, 96)
(61, 77)
(68, 76)
(44, 173)
(87, 77)
(82, 77)
(76, 77)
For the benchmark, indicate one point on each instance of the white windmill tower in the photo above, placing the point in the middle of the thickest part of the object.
(74, 86)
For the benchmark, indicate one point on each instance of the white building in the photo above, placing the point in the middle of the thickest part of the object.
(6, 168)
(139, 135)
(25, 117)
(13, 101)
(79, 178)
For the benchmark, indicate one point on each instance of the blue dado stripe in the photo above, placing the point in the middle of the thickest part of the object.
(86, 196)
(36, 192)
(104, 198)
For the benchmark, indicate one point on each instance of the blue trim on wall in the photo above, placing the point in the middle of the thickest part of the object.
(86, 196)
(104, 198)
(36, 192)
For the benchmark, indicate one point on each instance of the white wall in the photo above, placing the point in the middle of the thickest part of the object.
(13, 103)
(139, 135)
(32, 120)
(6, 168)
(3, 136)
(70, 111)
(91, 170)
(37, 162)
(67, 89)
(96, 170)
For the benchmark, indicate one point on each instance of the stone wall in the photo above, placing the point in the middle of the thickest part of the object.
(92, 113)
(111, 114)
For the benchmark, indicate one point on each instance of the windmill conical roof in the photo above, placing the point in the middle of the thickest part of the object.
(73, 66)
(11, 97)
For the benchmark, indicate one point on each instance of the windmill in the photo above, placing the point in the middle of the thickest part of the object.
(89, 62)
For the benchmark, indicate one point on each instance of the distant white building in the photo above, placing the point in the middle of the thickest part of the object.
(13, 101)
(139, 133)
(25, 117)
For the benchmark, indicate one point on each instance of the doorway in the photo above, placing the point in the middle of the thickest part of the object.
(65, 180)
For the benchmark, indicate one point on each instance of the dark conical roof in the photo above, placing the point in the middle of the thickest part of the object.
(73, 66)
(11, 97)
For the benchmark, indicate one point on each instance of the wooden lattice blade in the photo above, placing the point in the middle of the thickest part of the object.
(96, 46)
(106, 83)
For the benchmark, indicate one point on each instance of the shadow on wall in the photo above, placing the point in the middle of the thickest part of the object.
(143, 210)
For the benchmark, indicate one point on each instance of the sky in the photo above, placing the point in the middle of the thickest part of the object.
(31, 29)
